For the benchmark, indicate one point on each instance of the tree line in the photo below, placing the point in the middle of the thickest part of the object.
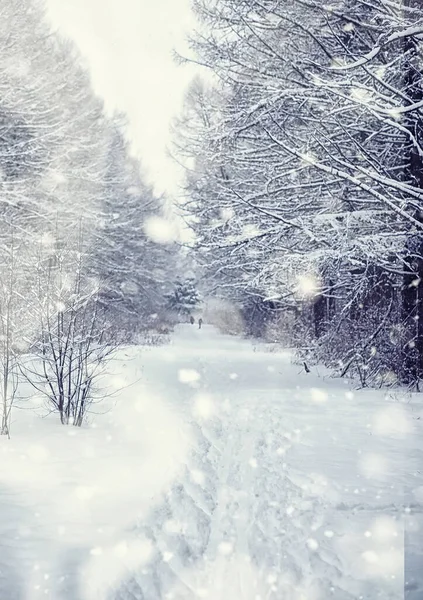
(79, 273)
(304, 187)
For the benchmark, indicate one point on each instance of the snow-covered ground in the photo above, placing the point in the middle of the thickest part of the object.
(216, 471)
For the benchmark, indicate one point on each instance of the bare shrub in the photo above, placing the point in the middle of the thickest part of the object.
(71, 350)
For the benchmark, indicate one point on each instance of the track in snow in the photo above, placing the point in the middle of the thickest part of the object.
(222, 472)
(292, 489)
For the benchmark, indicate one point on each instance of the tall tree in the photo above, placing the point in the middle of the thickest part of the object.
(132, 269)
(316, 135)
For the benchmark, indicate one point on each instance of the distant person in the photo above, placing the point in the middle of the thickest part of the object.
(192, 320)
(200, 322)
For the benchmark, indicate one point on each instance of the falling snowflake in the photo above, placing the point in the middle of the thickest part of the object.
(225, 548)
(188, 375)
(204, 406)
(160, 230)
(312, 544)
(373, 466)
(307, 285)
(318, 395)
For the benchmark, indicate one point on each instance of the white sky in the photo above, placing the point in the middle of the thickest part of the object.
(128, 45)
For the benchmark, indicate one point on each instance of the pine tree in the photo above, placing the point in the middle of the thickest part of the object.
(185, 298)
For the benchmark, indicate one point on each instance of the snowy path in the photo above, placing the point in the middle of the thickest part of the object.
(222, 473)
(295, 488)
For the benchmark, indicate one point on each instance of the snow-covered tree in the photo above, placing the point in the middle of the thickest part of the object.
(132, 269)
(67, 186)
(184, 299)
(307, 167)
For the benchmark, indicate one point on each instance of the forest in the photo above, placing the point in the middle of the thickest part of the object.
(302, 141)
(304, 146)
(212, 392)
(80, 271)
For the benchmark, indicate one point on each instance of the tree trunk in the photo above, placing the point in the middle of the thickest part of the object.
(412, 301)
(319, 315)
